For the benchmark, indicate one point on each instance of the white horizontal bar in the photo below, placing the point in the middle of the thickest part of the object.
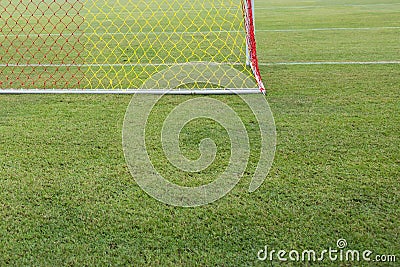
(133, 91)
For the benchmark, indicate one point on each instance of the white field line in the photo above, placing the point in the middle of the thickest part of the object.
(332, 63)
(333, 29)
(326, 6)
(194, 33)
(227, 63)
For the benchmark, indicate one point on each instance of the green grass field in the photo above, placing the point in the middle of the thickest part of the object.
(67, 197)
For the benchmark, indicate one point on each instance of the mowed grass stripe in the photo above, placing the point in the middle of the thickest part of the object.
(64, 179)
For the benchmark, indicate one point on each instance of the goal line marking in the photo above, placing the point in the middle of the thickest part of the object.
(134, 91)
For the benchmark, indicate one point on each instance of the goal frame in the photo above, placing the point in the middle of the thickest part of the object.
(251, 62)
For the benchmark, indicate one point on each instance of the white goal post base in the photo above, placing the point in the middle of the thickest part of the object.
(133, 91)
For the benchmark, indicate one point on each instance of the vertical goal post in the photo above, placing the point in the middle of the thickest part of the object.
(106, 47)
(254, 23)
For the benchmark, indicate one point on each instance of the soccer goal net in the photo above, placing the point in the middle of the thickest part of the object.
(127, 45)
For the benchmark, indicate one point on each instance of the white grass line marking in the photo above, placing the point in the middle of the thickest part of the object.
(324, 6)
(332, 29)
(332, 63)
(227, 63)
(192, 33)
